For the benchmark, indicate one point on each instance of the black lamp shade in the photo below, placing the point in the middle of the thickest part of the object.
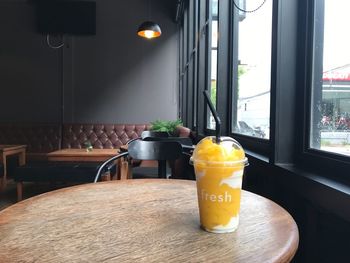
(149, 29)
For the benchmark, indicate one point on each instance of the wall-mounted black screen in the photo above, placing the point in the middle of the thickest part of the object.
(67, 17)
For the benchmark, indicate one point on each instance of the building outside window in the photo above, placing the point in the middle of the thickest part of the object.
(330, 98)
(252, 68)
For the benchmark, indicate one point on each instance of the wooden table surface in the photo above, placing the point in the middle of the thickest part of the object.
(81, 155)
(10, 147)
(154, 220)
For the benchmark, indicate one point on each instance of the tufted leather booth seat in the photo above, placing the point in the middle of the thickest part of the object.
(42, 138)
(101, 136)
(71, 172)
(56, 171)
(39, 138)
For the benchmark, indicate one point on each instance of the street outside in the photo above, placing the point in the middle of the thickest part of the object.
(341, 149)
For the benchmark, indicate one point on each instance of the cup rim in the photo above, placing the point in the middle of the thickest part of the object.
(219, 164)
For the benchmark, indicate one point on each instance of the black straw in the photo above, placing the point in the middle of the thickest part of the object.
(215, 114)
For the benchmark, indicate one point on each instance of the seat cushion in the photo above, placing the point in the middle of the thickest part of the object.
(57, 171)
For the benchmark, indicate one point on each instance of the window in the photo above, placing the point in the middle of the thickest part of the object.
(287, 57)
(330, 98)
(252, 68)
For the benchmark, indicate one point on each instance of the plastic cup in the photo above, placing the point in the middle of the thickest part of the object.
(219, 170)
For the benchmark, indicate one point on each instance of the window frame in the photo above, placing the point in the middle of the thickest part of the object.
(328, 164)
(262, 146)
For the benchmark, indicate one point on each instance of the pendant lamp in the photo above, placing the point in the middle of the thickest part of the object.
(149, 30)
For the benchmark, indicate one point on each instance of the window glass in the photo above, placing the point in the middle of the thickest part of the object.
(252, 67)
(330, 104)
(213, 60)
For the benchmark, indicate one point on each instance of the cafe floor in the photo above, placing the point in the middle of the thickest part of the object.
(8, 196)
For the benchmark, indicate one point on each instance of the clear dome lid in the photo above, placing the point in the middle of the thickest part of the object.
(227, 151)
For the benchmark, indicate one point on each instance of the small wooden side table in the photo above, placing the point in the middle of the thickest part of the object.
(7, 150)
(81, 155)
(125, 170)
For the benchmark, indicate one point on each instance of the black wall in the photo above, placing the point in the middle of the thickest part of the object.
(319, 207)
(111, 77)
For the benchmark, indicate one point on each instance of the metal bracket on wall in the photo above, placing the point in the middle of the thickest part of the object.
(52, 46)
(179, 10)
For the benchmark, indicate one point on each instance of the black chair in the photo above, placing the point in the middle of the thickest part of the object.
(162, 151)
(179, 168)
(185, 142)
(148, 135)
(1, 174)
(154, 134)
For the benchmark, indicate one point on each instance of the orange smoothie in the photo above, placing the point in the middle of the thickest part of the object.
(219, 170)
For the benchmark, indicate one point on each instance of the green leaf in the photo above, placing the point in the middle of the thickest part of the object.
(165, 126)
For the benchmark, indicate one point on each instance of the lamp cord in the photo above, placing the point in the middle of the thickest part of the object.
(248, 11)
(194, 50)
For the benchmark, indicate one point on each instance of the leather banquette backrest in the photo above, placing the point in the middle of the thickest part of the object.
(101, 136)
(39, 138)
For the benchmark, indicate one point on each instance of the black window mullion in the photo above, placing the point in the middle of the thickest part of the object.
(195, 62)
(208, 58)
(202, 65)
(234, 20)
(283, 85)
(223, 70)
(185, 67)
(190, 62)
(181, 67)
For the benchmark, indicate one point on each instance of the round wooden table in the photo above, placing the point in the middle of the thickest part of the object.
(151, 220)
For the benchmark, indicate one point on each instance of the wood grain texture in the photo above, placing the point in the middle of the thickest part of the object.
(81, 155)
(11, 147)
(152, 220)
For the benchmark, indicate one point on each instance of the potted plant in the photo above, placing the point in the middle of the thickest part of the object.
(166, 126)
(88, 146)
